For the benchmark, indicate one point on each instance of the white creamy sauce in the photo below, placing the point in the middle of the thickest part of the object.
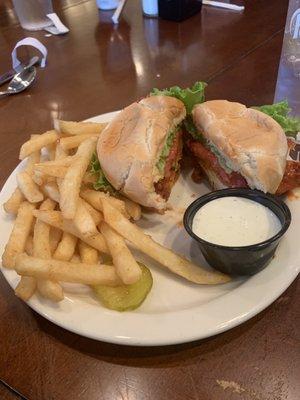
(235, 221)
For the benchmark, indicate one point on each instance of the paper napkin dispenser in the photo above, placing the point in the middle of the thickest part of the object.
(178, 10)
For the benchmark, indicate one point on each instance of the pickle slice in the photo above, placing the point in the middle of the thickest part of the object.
(127, 297)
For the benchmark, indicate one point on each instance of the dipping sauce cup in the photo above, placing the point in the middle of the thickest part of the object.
(240, 260)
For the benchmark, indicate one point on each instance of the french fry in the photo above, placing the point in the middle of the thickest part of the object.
(51, 190)
(29, 188)
(71, 142)
(12, 205)
(18, 237)
(94, 198)
(51, 151)
(96, 215)
(60, 153)
(32, 159)
(26, 287)
(63, 162)
(89, 178)
(54, 218)
(56, 171)
(83, 220)
(41, 233)
(55, 236)
(41, 249)
(133, 209)
(70, 186)
(66, 247)
(88, 274)
(76, 259)
(97, 241)
(88, 254)
(39, 178)
(164, 256)
(80, 128)
(48, 205)
(50, 289)
(29, 246)
(37, 143)
(126, 266)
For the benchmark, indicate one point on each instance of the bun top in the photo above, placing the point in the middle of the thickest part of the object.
(129, 147)
(251, 142)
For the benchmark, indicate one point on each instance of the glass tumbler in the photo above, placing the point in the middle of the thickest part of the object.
(107, 4)
(32, 13)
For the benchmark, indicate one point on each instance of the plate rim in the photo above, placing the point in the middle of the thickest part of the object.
(161, 341)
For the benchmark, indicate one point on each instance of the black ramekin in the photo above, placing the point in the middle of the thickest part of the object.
(242, 260)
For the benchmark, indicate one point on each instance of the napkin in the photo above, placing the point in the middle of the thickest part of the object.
(29, 41)
(58, 28)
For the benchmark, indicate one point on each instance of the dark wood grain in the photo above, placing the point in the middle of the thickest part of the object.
(252, 81)
(260, 358)
(7, 393)
(95, 69)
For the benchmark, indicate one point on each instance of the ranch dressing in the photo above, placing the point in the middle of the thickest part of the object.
(235, 221)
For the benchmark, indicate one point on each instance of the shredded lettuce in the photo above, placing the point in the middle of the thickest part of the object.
(189, 96)
(280, 112)
(102, 183)
(166, 150)
(225, 164)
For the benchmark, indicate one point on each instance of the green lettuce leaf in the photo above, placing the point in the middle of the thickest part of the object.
(189, 96)
(166, 150)
(102, 183)
(280, 112)
(225, 163)
(190, 127)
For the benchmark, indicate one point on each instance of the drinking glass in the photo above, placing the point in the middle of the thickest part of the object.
(107, 4)
(32, 13)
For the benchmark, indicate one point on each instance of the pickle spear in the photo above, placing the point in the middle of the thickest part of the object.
(126, 297)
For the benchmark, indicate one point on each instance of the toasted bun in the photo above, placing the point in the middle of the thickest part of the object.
(253, 143)
(130, 145)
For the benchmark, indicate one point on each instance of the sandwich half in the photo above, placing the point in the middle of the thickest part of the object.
(236, 146)
(140, 150)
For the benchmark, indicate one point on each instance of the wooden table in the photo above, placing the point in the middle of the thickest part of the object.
(97, 68)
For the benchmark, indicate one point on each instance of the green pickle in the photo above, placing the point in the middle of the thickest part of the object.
(126, 297)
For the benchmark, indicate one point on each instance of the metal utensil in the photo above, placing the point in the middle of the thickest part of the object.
(20, 82)
(7, 76)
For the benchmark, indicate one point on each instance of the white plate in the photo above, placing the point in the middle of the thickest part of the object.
(174, 311)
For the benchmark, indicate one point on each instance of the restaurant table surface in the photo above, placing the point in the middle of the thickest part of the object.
(97, 68)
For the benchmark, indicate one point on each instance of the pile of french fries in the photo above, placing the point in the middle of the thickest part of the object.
(64, 230)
